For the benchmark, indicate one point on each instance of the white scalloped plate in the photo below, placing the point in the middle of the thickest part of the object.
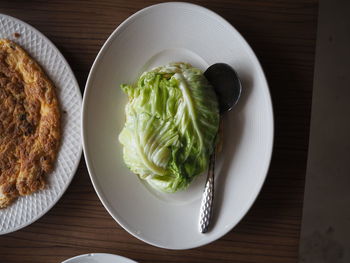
(154, 36)
(26, 210)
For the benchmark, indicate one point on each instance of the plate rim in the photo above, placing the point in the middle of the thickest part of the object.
(97, 254)
(76, 164)
(87, 89)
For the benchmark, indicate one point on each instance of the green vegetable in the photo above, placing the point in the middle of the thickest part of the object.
(172, 118)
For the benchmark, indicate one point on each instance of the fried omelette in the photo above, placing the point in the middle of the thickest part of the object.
(29, 124)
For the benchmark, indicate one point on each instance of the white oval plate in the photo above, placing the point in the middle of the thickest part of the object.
(99, 258)
(26, 210)
(158, 35)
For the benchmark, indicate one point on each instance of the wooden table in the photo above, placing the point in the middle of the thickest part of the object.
(282, 33)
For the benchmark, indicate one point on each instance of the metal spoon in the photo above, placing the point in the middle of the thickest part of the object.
(228, 89)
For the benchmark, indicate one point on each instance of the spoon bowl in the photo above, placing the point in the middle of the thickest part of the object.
(226, 83)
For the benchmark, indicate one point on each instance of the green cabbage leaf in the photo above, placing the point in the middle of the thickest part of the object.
(172, 118)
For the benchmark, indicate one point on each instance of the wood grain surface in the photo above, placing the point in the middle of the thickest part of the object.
(282, 33)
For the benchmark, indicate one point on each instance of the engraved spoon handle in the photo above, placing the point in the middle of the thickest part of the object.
(207, 198)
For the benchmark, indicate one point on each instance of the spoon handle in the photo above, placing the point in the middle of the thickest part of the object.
(207, 198)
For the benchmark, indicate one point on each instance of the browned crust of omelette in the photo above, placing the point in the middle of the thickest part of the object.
(29, 124)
